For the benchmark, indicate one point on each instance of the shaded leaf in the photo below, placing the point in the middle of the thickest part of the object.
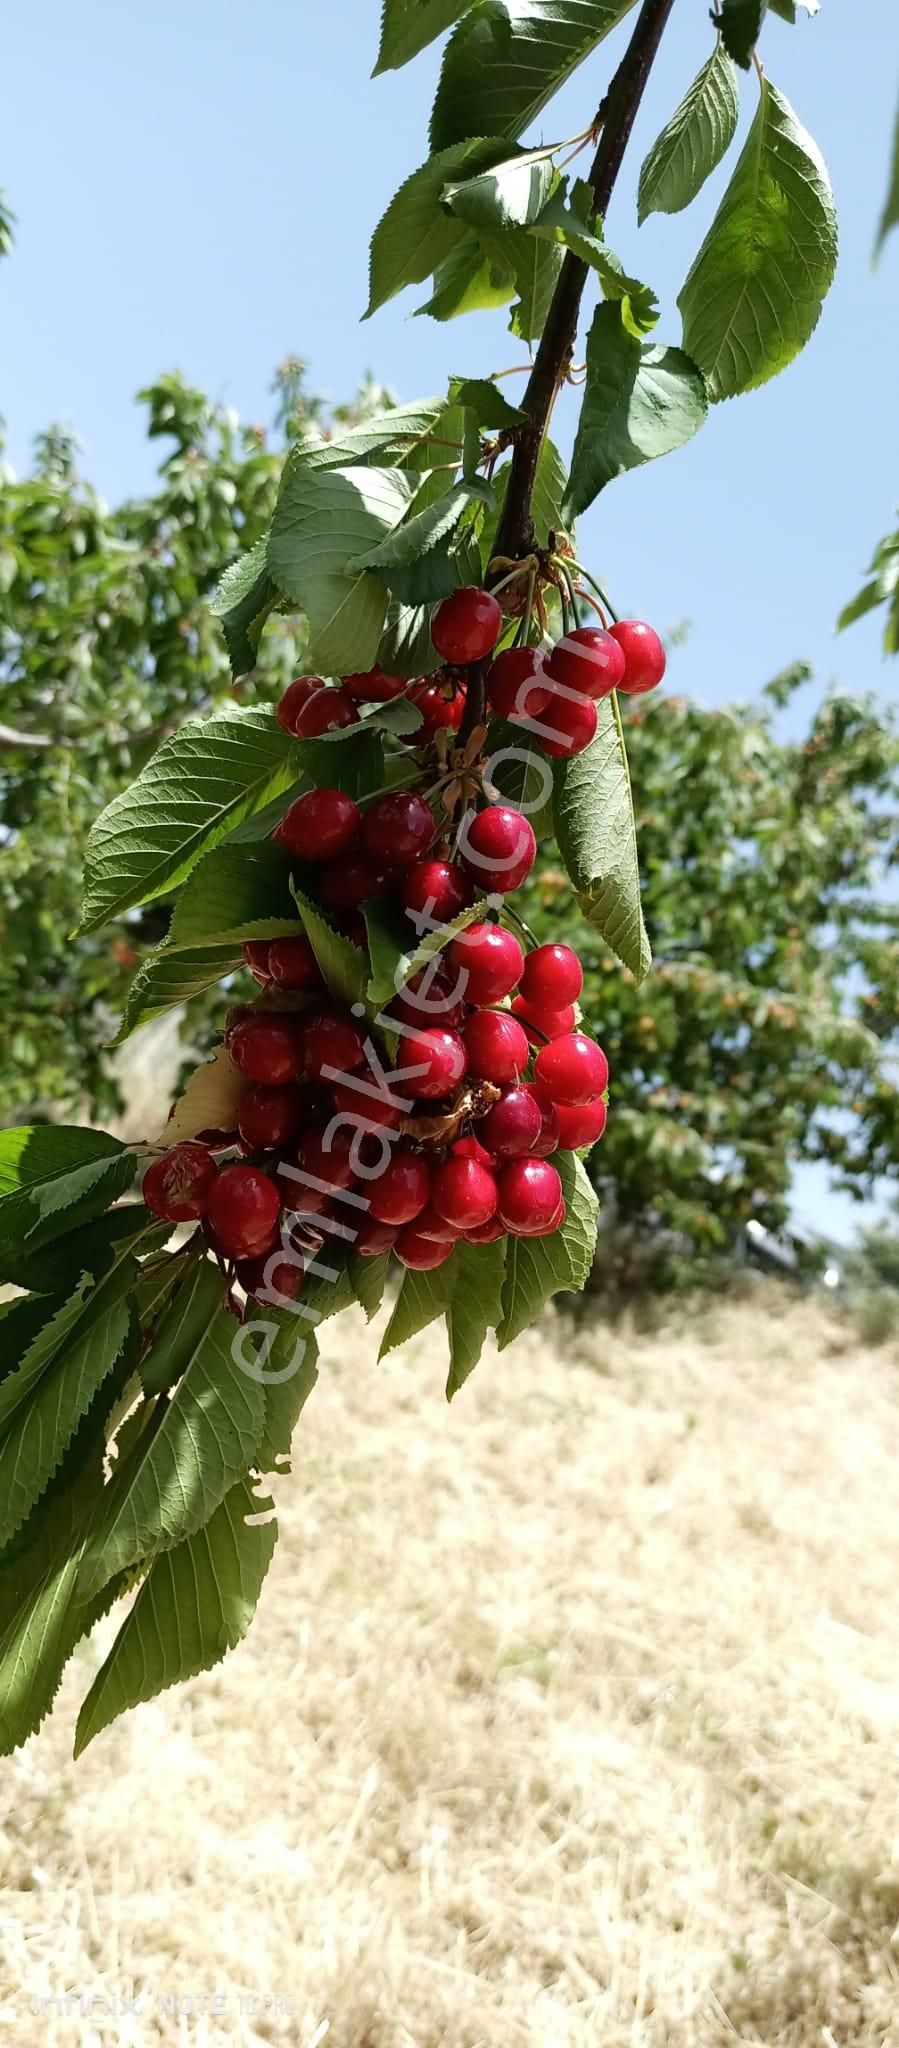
(594, 821)
(51, 1170)
(417, 234)
(641, 400)
(539, 1267)
(343, 965)
(476, 1306)
(407, 26)
(45, 1398)
(506, 59)
(422, 1298)
(325, 518)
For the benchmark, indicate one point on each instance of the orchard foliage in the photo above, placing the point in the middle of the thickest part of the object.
(150, 1383)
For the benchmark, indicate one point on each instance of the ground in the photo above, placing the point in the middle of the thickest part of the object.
(569, 1720)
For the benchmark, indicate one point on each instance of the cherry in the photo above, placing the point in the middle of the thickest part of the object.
(464, 1193)
(271, 1274)
(553, 976)
(270, 1117)
(499, 848)
(428, 999)
(466, 626)
(375, 1112)
(373, 686)
(442, 1056)
(439, 712)
(513, 1125)
(547, 1023)
(344, 884)
(581, 1123)
(268, 1049)
(397, 828)
(327, 710)
(292, 964)
(422, 1254)
(587, 660)
(644, 656)
(486, 1233)
(430, 1224)
(244, 1207)
(490, 959)
(572, 724)
(178, 1185)
(320, 825)
(496, 1045)
(401, 1192)
(529, 1195)
(573, 1069)
(295, 696)
(373, 1239)
(471, 1148)
(255, 953)
(325, 1156)
(332, 1039)
(549, 1138)
(436, 890)
(516, 688)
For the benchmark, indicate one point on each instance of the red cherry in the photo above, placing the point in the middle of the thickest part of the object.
(435, 891)
(178, 1185)
(255, 953)
(496, 1045)
(516, 689)
(320, 825)
(572, 1070)
(548, 1023)
(439, 712)
(373, 1239)
(571, 725)
(464, 1193)
(397, 828)
(486, 1233)
(243, 1211)
(587, 660)
(376, 1112)
(401, 1192)
(295, 696)
(513, 1126)
(498, 847)
(490, 960)
(373, 686)
(430, 1224)
(441, 1055)
(471, 1148)
(529, 1195)
(581, 1123)
(268, 1049)
(274, 1273)
(270, 1117)
(327, 710)
(644, 656)
(548, 1140)
(344, 884)
(422, 1254)
(429, 998)
(292, 964)
(466, 626)
(325, 1154)
(553, 976)
(332, 1044)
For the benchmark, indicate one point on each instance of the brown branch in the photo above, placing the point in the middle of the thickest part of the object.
(34, 741)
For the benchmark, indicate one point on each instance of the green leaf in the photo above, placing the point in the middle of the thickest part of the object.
(740, 23)
(507, 58)
(521, 774)
(539, 1267)
(406, 647)
(476, 1306)
(548, 493)
(694, 140)
(594, 821)
(576, 226)
(417, 533)
(511, 194)
(466, 283)
(51, 1171)
(232, 891)
(407, 26)
(890, 216)
(485, 399)
(382, 436)
(755, 291)
(534, 264)
(45, 1398)
(168, 979)
(245, 598)
(323, 519)
(195, 1604)
(343, 965)
(88, 1248)
(290, 1366)
(369, 1279)
(395, 954)
(183, 1325)
(417, 234)
(422, 1298)
(641, 400)
(787, 9)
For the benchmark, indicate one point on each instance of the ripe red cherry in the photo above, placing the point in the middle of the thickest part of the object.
(344, 884)
(373, 686)
(490, 959)
(422, 1254)
(270, 1117)
(571, 725)
(496, 1045)
(571, 1070)
(429, 998)
(581, 1123)
(274, 1273)
(332, 1044)
(471, 1148)
(513, 1126)
(587, 660)
(397, 828)
(429, 1224)
(292, 964)
(548, 1023)
(374, 1239)
(325, 1155)
(256, 953)
(529, 1195)
(435, 891)
(553, 976)
(295, 696)
(464, 1193)
(439, 712)
(441, 1055)
(402, 1191)
(244, 1207)
(178, 1185)
(498, 848)
(320, 825)
(376, 1112)
(549, 1138)
(268, 1049)
(466, 626)
(515, 686)
(644, 656)
(486, 1233)
(327, 710)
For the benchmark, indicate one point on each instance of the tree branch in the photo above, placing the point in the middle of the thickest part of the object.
(32, 740)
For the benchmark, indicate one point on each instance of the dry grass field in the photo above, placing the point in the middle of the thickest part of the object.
(570, 1719)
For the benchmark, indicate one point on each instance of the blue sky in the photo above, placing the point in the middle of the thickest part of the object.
(196, 185)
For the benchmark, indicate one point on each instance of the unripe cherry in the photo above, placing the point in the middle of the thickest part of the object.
(243, 1211)
(419, 1253)
(332, 1040)
(327, 710)
(268, 1118)
(587, 660)
(490, 959)
(572, 1070)
(373, 686)
(402, 1191)
(464, 1193)
(344, 884)
(268, 1049)
(552, 977)
(513, 1125)
(571, 725)
(498, 848)
(516, 688)
(644, 656)
(466, 626)
(441, 1056)
(320, 825)
(529, 1195)
(496, 1045)
(436, 889)
(397, 828)
(295, 696)
(292, 964)
(581, 1124)
(178, 1186)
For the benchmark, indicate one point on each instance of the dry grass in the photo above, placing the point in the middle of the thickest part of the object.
(570, 1717)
